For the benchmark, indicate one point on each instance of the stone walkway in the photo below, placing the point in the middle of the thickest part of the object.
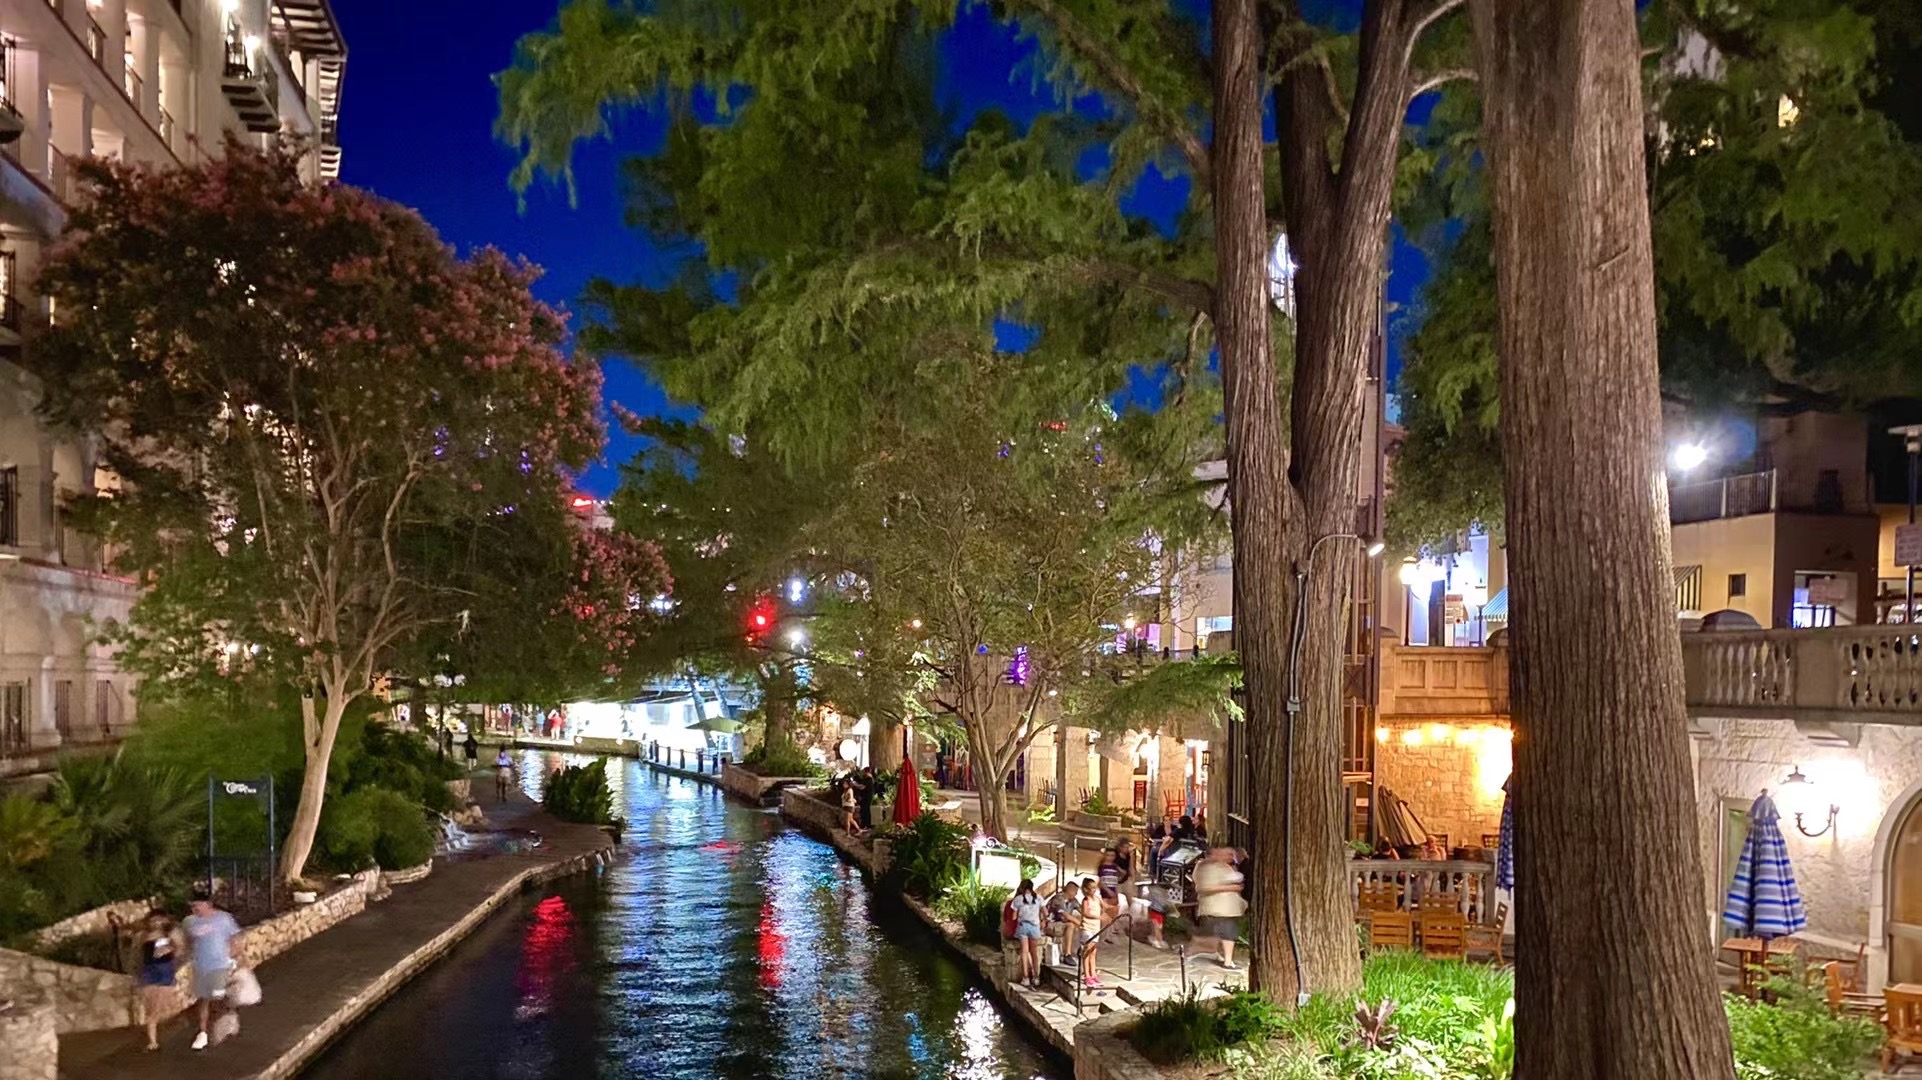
(316, 989)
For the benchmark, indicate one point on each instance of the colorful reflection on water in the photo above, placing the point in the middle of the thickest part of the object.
(721, 944)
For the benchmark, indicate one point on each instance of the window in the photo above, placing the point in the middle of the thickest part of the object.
(1211, 624)
(104, 706)
(1688, 588)
(13, 717)
(63, 708)
(9, 506)
(1737, 586)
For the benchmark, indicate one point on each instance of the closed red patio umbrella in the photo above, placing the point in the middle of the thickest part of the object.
(907, 794)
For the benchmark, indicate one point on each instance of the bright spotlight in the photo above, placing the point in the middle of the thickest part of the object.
(1688, 456)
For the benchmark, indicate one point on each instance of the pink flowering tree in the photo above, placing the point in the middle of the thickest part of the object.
(321, 422)
(611, 596)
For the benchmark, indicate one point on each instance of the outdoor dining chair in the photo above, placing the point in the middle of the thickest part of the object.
(1444, 936)
(1842, 1001)
(1487, 940)
(1902, 1022)
(1439, 903)
(1378, 896)
(1390, 930)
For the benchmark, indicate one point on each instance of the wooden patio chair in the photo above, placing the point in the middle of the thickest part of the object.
(1444, 936)
(1378, 896)
(1480, 939)
(1491, 839)
(1843, 1002)
(1439, 903)
(1902, 1021)
(1390, 930)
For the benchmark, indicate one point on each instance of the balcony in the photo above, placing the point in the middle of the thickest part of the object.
(251, 87)
(1442, 681)
(1854, 674)
(1728, 497)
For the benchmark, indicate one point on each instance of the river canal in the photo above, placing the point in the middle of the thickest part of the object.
(720, 944)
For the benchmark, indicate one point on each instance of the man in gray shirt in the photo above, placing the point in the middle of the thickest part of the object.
(210, 936)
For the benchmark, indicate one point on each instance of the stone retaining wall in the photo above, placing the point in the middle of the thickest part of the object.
(409, 875)
(813, 812)
(29, 1043)
(754, 787)
(96, 923)
(88, 999)
(1102, 1050)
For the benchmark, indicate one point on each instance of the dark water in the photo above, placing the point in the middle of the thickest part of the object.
(722, 944)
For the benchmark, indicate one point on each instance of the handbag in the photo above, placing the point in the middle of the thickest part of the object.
(243, 989)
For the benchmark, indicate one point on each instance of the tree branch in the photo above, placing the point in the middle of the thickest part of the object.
(1429, 18)
(1109, 69)
(1435, 80)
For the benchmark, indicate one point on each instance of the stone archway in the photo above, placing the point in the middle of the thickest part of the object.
(1895, 893)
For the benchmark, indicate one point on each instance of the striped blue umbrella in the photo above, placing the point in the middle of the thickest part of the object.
(1763, 901)
(1505, 848)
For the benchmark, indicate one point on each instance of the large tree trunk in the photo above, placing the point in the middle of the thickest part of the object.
(1613, 974)
(320, 727)
(1258, 485)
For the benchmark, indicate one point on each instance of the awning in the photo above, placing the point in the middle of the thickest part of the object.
(1497, 607)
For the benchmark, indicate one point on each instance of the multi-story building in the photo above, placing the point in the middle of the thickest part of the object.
(154, 82)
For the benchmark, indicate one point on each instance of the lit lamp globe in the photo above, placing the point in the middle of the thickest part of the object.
(1411, 571)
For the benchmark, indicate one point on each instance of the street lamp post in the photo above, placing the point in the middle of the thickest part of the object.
(1292, 709)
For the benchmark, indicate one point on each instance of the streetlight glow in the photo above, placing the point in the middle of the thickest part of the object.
(1411, 571)
(797, 637)
(1375, 549)
(1688, 456)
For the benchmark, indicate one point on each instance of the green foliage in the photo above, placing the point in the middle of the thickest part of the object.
(105, 830)
(1796, 1036)
(1187, 1028)
(403, 764)
(780, 758)
(375, 827)
(928, 856)
(1097, 803)
(976, 906)
(1199, 689)
(580, 793)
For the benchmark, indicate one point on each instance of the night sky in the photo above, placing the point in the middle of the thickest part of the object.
(418, 109)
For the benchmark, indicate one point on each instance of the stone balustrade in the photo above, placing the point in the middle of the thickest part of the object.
(1443, 681)
(1838, 674)
(1471, 883)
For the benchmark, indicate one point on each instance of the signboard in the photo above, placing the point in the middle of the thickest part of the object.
(1908, 545)
(1829, 590)
(1457, 608)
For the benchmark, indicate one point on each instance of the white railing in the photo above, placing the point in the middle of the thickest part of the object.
(1840, 673)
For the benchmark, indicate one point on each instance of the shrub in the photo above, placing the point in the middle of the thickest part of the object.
(1186, 1028)
(406, 764)
(977, 907)
(374, 827)
(781, 758)
(1796, 1037)
(1097, 803)
(581, 793)
(928, 856)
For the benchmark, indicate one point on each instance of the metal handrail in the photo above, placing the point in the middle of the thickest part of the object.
(1095, 940)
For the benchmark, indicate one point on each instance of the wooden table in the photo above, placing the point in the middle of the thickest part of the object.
(1752, 953)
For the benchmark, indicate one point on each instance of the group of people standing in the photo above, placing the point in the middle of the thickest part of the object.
(1081, 913)
(858, 787)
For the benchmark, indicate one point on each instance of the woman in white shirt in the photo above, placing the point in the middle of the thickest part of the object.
(1220, 905)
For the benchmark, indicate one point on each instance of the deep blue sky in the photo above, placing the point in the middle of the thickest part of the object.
(417, 119)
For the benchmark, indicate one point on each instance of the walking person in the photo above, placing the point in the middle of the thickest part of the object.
(472, 750)
(211, 934)
(1220, 905)
(503, 772)
(158, 951)
(1027, 931)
